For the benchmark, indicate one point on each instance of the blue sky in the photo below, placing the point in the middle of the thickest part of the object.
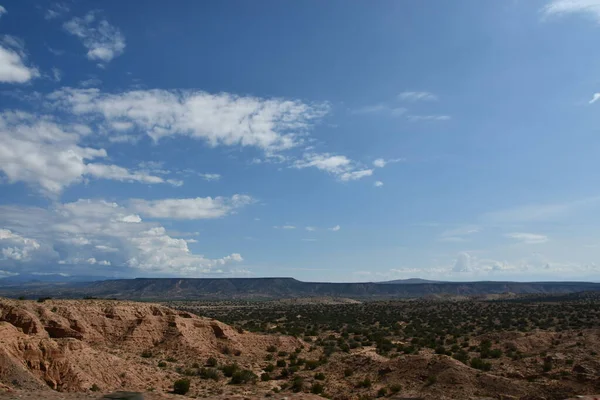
(337, 141)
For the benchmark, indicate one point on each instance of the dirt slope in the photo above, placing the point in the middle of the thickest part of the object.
(71, 346)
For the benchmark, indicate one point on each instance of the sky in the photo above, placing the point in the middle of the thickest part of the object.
(325, 141)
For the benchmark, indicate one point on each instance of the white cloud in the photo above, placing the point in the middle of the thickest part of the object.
(56, 52)
(103, 41)
(417, 96)
(595, 98)
(324, 161)
(310, 228)
(114, 172)
(131, 139)
(380, 162)
(528, 238)
(210, 177)
(561, 7)
(16, 247)
(194, 208)
(381, 109)
(335, 228)
(13, 68)
(56, 74)
(354, 175)
(378, 184)
(92, 82)
(219, 119)
(340, 166)
(417, 118)
(37, 150)
(2, 11)
(102, 234)
(288, 227)
(538, 212)
(57, 10)
(458, 234)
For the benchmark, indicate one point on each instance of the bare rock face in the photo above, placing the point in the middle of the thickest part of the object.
(74, 345)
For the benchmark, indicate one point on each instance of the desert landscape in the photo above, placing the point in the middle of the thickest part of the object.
(486, 347)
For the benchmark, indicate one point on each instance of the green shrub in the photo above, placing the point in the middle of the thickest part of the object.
(272, 349)
(181, 386)
(320, 376)
(317, 388)
(209, 373)
(243, 376)
(270, 368)
(211, 362)
(265, 377)
(162, 364)
(311, 364)
(348, 372)
(431, 380)
(147, 354)
(281, 363)
(171, 359)
(478, 363)
(381, 392)
(365, 383)
(395, 388)
(230, 369)
(95, 388)
(297, 384)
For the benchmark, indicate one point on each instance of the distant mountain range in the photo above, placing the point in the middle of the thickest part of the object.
(277, 288)
(411, 281)
(36, 279)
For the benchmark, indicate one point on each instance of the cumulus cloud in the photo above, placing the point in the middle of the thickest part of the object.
(16, 247)
(378, 184)
(380, 162)
(99, 233)
(595, 98)
(562, 7)
(194, 208)
(335, 228)
(324, 161)
(417, 96)
(39, 151)
(2, 11)
(13, 62)
(219, 119)
(103, 41)
(340, 166)
(528, 238)
(310, 228)
(354, 175)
